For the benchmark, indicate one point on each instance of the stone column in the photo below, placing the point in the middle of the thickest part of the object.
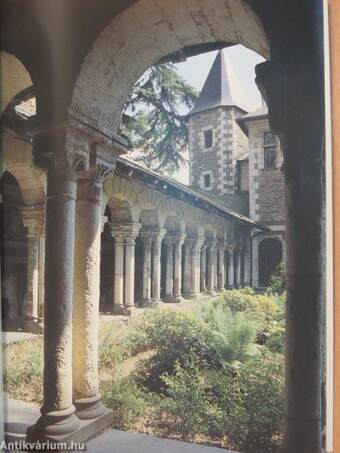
(211, 256)
(156, 275)
(231, 275)
(187, 270)
(169, 269)
(246, 267)
(147, 244)
(33, 220)
(221, 269)
(41, 277)
(193, 247)
(129, 283)
(57, 413)
(118, 287)
(237, 268)
(86, 296)
(294, 89)
(203, 269)
(177, 287)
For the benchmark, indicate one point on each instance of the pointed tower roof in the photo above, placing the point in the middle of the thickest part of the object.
(222, 87)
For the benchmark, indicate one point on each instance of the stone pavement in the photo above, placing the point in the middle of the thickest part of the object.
(16, 337)
(19, 415)
(114, 441)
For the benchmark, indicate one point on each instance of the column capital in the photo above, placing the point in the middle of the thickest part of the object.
(283, 84)
(194, 241)
(34, 220)
(125, 231)
(211, 243)
(222, 245)
(176, 238)
(85, 146)
(231, 248)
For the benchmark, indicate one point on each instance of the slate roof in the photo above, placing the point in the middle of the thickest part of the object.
(258, 114)
(222, 87)
(171, 187)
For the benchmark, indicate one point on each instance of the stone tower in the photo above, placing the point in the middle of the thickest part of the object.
(216, 141)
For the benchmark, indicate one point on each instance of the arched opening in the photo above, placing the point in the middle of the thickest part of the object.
(13, 252)
(14, 78)
(161, 32)
(270, 256)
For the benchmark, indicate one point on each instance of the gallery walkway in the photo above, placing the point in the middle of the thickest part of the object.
(19, 415)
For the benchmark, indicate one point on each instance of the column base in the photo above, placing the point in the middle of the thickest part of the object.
(84, 430)
(190, 295)
(211, 292)
(147, 303)
(119, 310)
(89, 408)
(33, 325)
(172, 299)
(55, 423)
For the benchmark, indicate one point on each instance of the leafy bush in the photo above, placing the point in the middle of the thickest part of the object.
(111, 344)
(243, 409)
(23, 370)
(278, 280)
(127, 401)
(184, 410)
(174, 337)
(230, 336)
(257, 422)
(267, 311)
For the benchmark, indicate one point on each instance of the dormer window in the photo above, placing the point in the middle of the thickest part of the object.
(269, 150)
(208, 138)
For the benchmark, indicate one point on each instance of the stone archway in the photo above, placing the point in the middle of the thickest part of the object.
(270, 256)
(145, 33)
(13, 252)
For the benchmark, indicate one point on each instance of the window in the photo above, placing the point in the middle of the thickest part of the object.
(269, 150)
(208, 138)
(207, 181)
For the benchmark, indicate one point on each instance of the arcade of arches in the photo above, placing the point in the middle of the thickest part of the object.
(154, 246)
(95, 198)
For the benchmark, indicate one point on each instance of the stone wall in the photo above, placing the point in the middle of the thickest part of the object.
(229, 144)
(266, 186)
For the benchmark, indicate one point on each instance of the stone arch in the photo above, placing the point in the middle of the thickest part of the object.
(14, 78)
(17, 159)
(13, 251)
(121, 211)
(270, 255)
(141, 35)
(149, 219)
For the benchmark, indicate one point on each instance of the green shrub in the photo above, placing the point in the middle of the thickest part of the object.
(267, 311)
(112, 348)
(23, 370)
(173, 337)
(230, 336)
(278, 280)
(127, 401)
(251, 404)
(184, 410)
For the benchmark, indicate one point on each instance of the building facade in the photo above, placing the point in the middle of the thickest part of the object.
(236, 160)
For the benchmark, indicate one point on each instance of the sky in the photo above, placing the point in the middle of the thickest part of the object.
(195, 70)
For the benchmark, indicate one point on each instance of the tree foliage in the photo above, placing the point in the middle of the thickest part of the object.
(155, 118)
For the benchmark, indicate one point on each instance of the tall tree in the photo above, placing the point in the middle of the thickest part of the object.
(155, 118)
